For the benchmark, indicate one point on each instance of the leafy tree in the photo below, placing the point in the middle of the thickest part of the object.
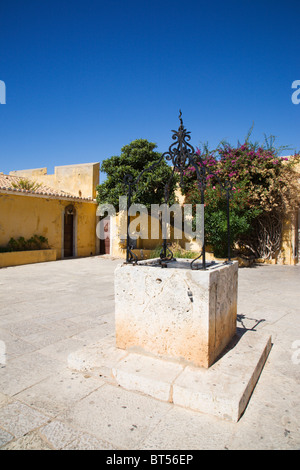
(136, 157)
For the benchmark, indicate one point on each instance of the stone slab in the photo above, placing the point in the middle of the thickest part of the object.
(100, 356)
(223, 390)
(148, 375)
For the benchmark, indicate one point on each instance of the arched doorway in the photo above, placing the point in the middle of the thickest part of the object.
(69, 238)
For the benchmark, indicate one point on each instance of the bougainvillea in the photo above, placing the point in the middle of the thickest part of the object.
(265, 187)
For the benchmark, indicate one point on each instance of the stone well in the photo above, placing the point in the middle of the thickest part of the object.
(176, 312)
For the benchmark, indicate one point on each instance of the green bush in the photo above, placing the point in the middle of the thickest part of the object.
(264, 187)
(177, 251)
(36, 242)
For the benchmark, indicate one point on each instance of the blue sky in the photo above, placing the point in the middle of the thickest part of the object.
(84, 78)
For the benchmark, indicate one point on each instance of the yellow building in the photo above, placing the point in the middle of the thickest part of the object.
(64, 213)
(62, 208)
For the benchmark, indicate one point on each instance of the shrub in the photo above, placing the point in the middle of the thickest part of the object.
(177, 250)
(265, 187)
(36, 242)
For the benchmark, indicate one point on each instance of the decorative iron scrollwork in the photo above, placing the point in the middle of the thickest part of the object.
(182, 155)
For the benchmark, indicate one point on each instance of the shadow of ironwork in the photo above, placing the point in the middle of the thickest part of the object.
(242, 326)
(240, 331)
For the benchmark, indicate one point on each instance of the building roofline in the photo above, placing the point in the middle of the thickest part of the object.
(8, 183)
(45, 195)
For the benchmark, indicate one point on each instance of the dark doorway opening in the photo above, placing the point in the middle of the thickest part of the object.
(105, 244)
(69, 232)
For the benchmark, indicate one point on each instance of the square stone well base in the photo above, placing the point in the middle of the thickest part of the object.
(223, 390)
(176, 312)
(176, 339)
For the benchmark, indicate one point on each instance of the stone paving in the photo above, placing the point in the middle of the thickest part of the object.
(50, 310)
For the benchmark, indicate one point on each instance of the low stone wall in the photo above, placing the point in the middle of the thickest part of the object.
(17, 258)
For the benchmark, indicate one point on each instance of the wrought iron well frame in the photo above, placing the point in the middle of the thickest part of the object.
(183, 156)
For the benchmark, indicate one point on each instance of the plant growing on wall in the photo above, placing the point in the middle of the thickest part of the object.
(24, 183)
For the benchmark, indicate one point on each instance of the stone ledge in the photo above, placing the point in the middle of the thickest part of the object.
(19, 258)
(148, 375)
(223, 390)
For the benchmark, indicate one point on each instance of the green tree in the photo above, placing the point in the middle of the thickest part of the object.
(135, 157)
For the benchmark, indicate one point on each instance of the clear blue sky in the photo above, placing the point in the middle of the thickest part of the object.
(84, 78)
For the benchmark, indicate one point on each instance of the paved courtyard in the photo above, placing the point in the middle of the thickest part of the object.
(50, 310)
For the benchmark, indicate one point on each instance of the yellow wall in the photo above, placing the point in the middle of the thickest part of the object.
(289, 251)
(146, 245)
(25, 216)
(19, 258)
(119, 247)
(79, 180)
